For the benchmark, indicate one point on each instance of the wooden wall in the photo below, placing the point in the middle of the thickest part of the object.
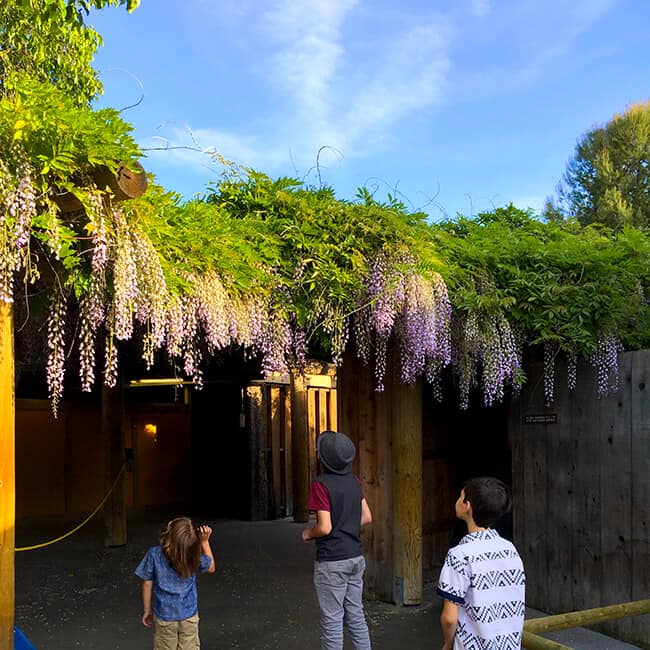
(60, 462)
(387, 430)
(582, 493)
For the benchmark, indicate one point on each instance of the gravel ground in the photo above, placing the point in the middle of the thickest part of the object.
(78, 594)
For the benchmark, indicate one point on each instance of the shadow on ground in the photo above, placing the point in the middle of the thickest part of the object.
(78, 594)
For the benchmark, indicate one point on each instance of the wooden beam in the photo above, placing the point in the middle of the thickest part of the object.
(407, 491)
(7, 477)
(300, 446)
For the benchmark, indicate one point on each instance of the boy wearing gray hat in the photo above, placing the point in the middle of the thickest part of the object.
(341, 509)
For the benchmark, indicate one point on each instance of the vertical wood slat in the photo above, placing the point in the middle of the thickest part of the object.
(300, 436)
(615, 479)
(640, 503)
(534, 487)
(275, 443)
(323, 410)
(332, 415)
(313, 423)
(288, 452)
(381, 413)
(519, 504)
(7, 477)
(586, 531)
(256, 406)
(560, 487)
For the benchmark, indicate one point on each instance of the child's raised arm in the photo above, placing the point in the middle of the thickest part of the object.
(147, 616)
(204, 536)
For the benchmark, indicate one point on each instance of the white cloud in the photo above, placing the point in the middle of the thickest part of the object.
(343, 73)
(411, 76)
(480, 7)
(309, 41)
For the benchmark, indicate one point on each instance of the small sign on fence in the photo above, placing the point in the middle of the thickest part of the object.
(544, 418)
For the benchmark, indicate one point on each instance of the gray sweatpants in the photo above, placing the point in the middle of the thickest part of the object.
(339, 587)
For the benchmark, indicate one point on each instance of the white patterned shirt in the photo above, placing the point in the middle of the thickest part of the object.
(484, 576)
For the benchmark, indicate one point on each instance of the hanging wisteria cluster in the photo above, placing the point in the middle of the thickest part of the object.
(17, 210)
(416, 310)
(605, 360)
(485, 348)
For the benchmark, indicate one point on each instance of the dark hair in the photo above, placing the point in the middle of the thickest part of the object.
(490, 499)
(181, 546)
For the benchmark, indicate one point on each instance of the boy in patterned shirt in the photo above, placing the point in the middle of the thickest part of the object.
(482, 581)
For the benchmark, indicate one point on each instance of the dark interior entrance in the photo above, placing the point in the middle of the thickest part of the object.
(459, 445)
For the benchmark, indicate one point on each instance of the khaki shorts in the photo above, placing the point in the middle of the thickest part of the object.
(176, 635)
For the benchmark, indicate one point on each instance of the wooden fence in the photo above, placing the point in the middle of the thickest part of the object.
(581, 484)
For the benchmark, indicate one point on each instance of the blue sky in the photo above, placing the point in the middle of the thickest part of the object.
(455, 106)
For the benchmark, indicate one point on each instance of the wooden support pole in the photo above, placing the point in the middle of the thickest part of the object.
(587, 616)
(114, 443)
(407, 492)
(7, 477)
(534, 642)
(300, 446)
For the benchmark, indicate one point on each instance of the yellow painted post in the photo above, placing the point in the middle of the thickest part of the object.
(7, 476)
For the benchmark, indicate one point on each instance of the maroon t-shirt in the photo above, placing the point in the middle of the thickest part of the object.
(341, 496)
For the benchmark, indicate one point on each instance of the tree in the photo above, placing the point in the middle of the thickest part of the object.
(608, 179)
(50, 41)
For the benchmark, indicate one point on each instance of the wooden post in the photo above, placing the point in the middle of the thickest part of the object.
(114, 443)
(7, 476)
(407, 491)
(300, 446)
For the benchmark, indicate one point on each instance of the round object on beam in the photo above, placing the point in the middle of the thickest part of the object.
(128, 183)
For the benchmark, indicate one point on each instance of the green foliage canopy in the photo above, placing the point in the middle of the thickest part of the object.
(51, 42)
(557, 283)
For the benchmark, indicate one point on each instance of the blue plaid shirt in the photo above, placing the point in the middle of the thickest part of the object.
(174, 598)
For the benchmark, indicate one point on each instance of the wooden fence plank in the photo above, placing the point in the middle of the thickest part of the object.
(586, 531)
(561, 446)
(616, 499)
(300, 445)
(640, 504)
(288, 452)
(535, 497)
(257, 434)
(275, 440)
